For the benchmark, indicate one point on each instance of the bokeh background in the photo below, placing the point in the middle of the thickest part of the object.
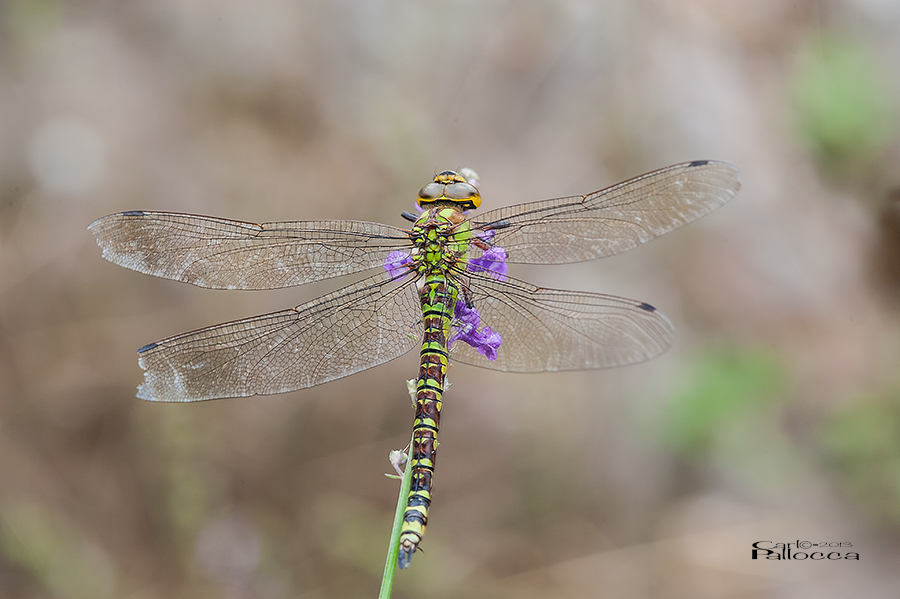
(774, 417)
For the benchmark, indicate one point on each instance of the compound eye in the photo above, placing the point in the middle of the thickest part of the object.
(460, 191)
(431, 192)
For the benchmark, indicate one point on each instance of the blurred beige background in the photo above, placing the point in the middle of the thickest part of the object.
(774, 417)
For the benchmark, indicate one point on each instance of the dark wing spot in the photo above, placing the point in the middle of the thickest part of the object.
(646, 306)
(147, 347)
(699, 163)
(133, 213)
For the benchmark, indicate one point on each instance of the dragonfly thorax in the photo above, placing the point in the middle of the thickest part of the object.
(449, 188)
(441, 239)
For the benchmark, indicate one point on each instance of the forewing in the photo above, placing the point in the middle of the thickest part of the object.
(552, 330)
(229, 254)
(612, 220)
(355, 328)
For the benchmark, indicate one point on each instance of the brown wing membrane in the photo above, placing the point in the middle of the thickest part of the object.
(229, 254)
(552, 330)
(612, 220)
(355, 328)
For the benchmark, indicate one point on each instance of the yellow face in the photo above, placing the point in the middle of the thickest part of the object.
(450, 186)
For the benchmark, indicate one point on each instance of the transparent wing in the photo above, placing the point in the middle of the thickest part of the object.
(551, 330)
(612, 220)
(229, 254)
(355, 328)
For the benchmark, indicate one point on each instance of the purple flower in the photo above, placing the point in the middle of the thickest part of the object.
(492, 261)
(485, 341)
(396, 262)
(486, 235)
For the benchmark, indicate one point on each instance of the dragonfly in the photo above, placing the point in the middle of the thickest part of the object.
(442, 285)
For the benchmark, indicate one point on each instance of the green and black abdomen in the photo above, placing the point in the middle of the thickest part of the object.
(438, 300)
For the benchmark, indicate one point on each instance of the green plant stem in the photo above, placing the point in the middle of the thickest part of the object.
(390, 565)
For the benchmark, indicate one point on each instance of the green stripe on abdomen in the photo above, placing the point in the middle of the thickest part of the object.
(438, 299)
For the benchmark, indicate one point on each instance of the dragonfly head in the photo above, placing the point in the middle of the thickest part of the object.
(450, 187)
